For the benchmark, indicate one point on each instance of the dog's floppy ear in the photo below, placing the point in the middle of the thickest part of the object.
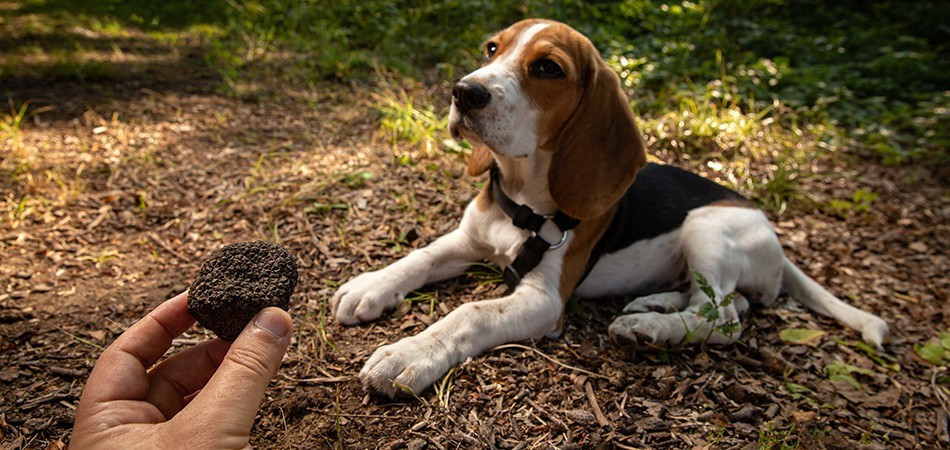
(599, 151)
(479, 161)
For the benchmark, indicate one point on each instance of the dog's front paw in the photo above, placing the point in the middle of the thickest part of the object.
(411, 364)
(364, 298)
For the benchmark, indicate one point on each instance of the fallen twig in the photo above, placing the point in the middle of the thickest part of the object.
(549, 358)
(75, 373)
(321, 380)
(161, 243)
(595, 406)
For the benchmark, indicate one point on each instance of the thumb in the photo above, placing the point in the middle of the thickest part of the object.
(230, 400)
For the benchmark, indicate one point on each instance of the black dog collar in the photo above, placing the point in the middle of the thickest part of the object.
(525, 218)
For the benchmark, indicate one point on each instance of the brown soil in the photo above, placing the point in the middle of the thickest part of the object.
(136, 178)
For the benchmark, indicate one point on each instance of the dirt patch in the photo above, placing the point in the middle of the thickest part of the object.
(132, 184)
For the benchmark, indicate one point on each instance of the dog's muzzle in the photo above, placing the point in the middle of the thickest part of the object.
(469, 96)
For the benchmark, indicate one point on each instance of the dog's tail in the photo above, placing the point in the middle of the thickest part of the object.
(806, 290)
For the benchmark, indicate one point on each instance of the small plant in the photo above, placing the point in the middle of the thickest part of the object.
(779, 187)
(860, 203)
(142, 207)
(252, 184)
(774, 438)
(103, 257)
(797, 391)
(709, 311)
(882, 359)
(841, 371)
(20, 212)
(398, 242)
(356, 179)
(11, 129)
(716, 435)
(10, 125)
(937, 351)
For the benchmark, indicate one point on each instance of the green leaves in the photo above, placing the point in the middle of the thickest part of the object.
(802, 336)
(840, 371)
(797, 391)
(709, 311)
(932, 352)
(860, 203)
(704, 285)
(936, 352)
(882, 359)
(356, 179)
(729, 328)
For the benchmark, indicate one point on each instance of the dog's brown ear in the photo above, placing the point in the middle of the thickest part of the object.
(479, 161)
(599, 151)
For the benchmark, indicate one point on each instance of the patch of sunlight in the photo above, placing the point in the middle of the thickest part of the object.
(409, 121)
(762, 153)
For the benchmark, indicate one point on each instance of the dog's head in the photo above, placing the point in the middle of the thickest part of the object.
(544, 87)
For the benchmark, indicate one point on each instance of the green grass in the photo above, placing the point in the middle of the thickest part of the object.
(485, 274)
(11, 125)
(422, 297)
(875, 72)
(761, 89)
(443, 389)
(408, 122)
(320, 324)
(775, 438)
(11, 136)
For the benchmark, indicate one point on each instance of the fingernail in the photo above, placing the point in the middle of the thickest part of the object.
(273, 321)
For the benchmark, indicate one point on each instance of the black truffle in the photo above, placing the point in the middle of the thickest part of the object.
(239, 280)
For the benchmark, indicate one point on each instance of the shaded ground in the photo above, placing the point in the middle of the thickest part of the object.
(113, 199)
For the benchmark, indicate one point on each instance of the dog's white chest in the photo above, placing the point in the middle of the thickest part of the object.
(503, 239)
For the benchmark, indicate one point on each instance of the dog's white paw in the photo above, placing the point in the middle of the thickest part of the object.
(364, 298)
(639, 331)
(874, 331)
(653, 330)
(413, 364)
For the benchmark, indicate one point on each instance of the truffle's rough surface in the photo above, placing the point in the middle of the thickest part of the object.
(239, 280)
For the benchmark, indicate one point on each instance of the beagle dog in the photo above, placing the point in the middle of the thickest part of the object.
(572, 206)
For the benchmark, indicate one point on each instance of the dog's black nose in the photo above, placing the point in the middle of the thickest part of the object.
(470, 96)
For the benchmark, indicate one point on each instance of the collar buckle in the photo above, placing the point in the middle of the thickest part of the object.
(560, 243)
(522, 216)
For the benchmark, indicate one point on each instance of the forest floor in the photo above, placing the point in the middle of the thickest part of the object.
(114, 196)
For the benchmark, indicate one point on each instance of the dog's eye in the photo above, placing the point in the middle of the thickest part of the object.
(490, 49)
(547, 69)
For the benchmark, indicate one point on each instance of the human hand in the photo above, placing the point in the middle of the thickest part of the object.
(202, 397)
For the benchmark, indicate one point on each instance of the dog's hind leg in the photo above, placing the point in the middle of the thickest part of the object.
(728, 247)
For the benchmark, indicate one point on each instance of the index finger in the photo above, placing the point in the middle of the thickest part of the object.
(120, 373)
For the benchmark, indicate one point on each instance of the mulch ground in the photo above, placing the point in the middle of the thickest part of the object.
(136, 178)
